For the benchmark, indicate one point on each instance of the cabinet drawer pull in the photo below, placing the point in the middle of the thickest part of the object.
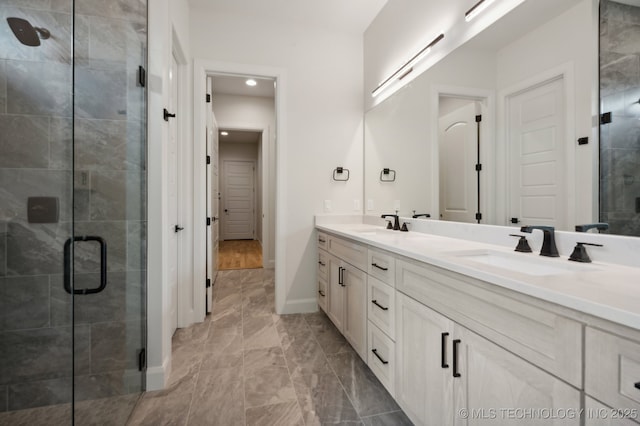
(375, 352)
(321, 263)
(321, 240)
(456, 342)
(443, 350)
(379, 267)
(375, 302)
(341, 276)
(321, 293)
(637, 385)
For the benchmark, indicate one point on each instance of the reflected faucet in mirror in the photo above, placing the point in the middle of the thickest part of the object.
(601, 226)
(415, 216)
(549, 248)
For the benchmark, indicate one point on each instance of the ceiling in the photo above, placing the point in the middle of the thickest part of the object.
(351, 16)
(233, 85)
(240, 136)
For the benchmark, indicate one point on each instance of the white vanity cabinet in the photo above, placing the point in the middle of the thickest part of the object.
(347, 290)
(323, 272)
(612, 376)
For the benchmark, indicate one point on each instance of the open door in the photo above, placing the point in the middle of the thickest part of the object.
(212, 197)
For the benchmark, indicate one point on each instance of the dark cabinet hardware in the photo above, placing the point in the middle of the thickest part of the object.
(321, 293)
(637, 385)
(375, 352)
(177, 228)
(68, 260)
(523, 245)
(375, 265)
(605, 118)
(142, 359)
(456, 342)
(443, 350)
(142, 76)
(167, 115)
(321, 263)
(375, 302)
(226, 210)
(341, 276)
(321, 240)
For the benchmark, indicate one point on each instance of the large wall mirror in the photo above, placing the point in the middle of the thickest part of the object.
(505, 129)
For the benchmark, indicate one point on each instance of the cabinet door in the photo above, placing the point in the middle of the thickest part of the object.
(423, 382)
(355, 313)
(496, 386)
(335, 302)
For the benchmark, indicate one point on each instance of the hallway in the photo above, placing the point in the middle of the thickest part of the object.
(245, 365)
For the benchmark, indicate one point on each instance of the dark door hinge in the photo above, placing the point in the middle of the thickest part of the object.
(515, 220)
(142, 76)
(208, 283)
(167, 115)
(208, 98)
(142, 359)
(583, 141)
(478, 118)
(605, 118)
(478, 216)
(208, 221)
(478, 167)
(208, 159)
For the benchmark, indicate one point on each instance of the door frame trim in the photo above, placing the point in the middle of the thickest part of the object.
(487, 154)
(201, 69)
(565, 72)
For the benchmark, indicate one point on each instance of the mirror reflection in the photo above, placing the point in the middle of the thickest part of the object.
(532, 80)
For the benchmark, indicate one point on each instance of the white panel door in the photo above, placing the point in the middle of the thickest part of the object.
(172, 201)
(536, 142)
(238, 200)
(458, 150)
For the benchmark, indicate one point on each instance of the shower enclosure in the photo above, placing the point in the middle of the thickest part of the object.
(620, 116)
(72, 210)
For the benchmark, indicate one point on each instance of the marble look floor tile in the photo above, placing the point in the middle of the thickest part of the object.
(323, 399)
(218, 399)
(270, 385)
(368, 395)
(51, 415)
(193, 335)
(228, 318)
(257, 359)
(284, 414)
(112, 411)
(224, 341)
(218, 361)
(397, 418)
(259, 332)
(185, 363)
(304, 356)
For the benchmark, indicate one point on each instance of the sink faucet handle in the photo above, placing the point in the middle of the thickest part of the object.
(523, 245)
(580, 252)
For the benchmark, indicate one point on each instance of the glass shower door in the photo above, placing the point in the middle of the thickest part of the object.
(72, 210)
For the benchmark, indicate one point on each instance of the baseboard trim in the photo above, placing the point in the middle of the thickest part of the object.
(300, 306)
(157, 377)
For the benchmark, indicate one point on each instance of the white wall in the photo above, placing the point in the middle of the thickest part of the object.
(324, 124)
(168, 20)
(255, 113)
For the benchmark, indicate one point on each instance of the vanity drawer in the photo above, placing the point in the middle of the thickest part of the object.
(323, 240)
(353, 253)
(381, 357)
(323, 294)
(381, 306)
(612, 369)
(323, 264)
(382, 266)
(541, 336)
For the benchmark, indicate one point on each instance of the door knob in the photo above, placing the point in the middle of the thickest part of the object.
(178, 228)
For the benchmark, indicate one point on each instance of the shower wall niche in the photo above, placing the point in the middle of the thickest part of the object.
(72, 164)
(620, 128)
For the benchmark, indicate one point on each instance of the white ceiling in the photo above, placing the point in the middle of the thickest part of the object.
(232, 85)
(240, 136)
(352, 16)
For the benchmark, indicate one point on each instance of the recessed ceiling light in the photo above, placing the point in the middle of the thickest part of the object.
(251, 82)
(223, 133)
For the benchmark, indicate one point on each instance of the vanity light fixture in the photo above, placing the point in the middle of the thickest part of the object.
(407, 68)
(477, 9)
(223, 133)
(251, 82)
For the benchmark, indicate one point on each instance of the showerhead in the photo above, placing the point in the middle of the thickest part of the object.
(26, 33)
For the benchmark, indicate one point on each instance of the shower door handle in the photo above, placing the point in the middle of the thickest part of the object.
(67, 265)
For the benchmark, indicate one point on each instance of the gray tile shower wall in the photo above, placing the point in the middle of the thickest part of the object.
(102, 194)
(620, 139)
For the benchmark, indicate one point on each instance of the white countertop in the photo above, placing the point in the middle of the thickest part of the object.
(604, 290)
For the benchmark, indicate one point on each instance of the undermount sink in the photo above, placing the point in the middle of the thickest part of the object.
(524, 263)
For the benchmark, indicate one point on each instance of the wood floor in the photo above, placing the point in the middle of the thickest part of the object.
(239, 254)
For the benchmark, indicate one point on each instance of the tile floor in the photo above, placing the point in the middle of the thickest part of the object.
(248, 366)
